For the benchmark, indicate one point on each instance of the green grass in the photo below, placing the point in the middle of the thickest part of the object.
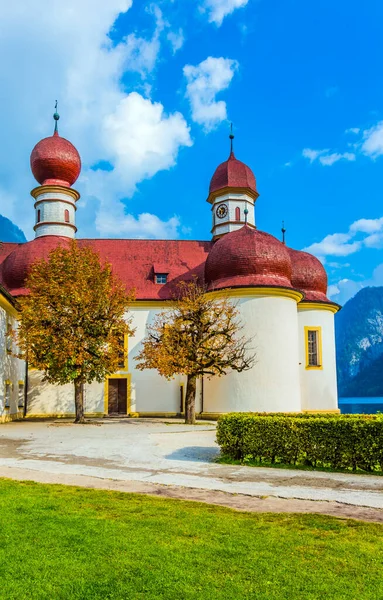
(60, 542)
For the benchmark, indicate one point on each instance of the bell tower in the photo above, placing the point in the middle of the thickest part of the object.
(232, 195)
(56, 165)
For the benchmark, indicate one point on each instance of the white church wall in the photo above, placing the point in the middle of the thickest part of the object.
(229, 222)
(273, 384)
(12, 370)
(319, 386)
(150, 393)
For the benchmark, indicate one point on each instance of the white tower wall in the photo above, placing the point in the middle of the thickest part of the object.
(232, 201)
(273, 384)
(319, 385)
(55, 211)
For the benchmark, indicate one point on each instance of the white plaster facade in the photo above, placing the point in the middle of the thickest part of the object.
(278, 382)
(12, 369)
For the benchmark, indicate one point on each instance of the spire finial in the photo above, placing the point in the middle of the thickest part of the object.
(231, 136)
(56, 117)
(245, 212)
(283, 233)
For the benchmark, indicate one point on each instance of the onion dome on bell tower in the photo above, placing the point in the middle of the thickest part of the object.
(56, 165)
(232, 191)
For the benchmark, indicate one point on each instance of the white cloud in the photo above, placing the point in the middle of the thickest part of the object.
(373, 141)
(312, 154)
(67, 54)
(354, 130)
(330, 159)
(344, 244)
(217, 10)
(325, 158)
(336, 244)
(145, 226)
(176, 39)
(367, 225)
(204, 82)
(344, 290)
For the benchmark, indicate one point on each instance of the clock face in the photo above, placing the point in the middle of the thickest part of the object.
(221, 211)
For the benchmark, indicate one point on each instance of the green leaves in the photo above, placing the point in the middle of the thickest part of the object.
(335, 441)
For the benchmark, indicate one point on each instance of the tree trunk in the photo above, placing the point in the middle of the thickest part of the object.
(79, 400)
(190, 399)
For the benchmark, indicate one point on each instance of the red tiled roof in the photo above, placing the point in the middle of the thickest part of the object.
(6, 248)
(248, 257)
(243, 258)
(232, 173)
(132, 262)
(308, 275)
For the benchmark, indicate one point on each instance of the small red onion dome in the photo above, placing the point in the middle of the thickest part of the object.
(16, 266)
(54, 160)
(248, 258)
(233, 173)
(308, 275)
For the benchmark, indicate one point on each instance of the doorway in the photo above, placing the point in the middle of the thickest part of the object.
(117, 396)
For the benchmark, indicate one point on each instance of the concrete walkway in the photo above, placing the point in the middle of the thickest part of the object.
(171, 459)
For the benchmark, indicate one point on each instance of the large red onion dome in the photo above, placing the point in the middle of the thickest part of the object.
(246, 258)
(308, 275)
(54, 160)
(16, 266)
(233, 174)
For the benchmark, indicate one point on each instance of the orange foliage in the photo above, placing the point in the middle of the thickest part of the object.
(73, 318)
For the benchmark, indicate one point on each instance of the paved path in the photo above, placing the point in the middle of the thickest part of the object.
(172, 459)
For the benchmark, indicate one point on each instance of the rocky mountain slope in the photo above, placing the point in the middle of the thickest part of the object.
(9, 232)
(359, 341)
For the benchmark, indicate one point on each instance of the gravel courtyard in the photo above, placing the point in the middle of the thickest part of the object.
(171, 459)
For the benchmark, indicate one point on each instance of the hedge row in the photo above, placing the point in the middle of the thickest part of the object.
(335, 441)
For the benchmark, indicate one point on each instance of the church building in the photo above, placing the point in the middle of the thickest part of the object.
(280, 294)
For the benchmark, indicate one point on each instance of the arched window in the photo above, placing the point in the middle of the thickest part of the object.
(66, 215)
(38, 215)
(237, 214)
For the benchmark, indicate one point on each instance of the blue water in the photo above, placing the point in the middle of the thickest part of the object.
(368, 406)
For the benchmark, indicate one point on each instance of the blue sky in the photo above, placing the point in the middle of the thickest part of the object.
(147, 90)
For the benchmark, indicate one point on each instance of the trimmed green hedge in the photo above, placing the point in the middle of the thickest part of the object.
(335, 441)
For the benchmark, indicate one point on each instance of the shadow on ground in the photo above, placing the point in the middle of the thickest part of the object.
(194, 453)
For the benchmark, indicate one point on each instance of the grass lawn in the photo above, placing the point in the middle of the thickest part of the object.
(59, 542)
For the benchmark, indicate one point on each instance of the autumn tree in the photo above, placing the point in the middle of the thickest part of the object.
(199, 335)
(73, 320)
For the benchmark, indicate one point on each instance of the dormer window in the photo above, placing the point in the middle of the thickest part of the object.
(161, 272)
(161, 278)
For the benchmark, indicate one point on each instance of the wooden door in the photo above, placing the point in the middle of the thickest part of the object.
(117, 396)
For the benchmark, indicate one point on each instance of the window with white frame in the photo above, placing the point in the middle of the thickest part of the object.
(161, 277)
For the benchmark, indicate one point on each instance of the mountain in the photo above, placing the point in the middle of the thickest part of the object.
(9, 232)
(359, 344)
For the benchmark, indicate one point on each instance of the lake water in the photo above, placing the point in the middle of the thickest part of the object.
(361, 405)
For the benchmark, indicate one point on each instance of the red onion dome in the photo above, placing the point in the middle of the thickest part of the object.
(308, 275)
(16, 266)
(54, 160)
(233, 173)
(248, 258)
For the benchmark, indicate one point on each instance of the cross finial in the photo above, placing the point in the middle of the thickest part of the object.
(56, 117)
(231, 136)
(283, 233)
